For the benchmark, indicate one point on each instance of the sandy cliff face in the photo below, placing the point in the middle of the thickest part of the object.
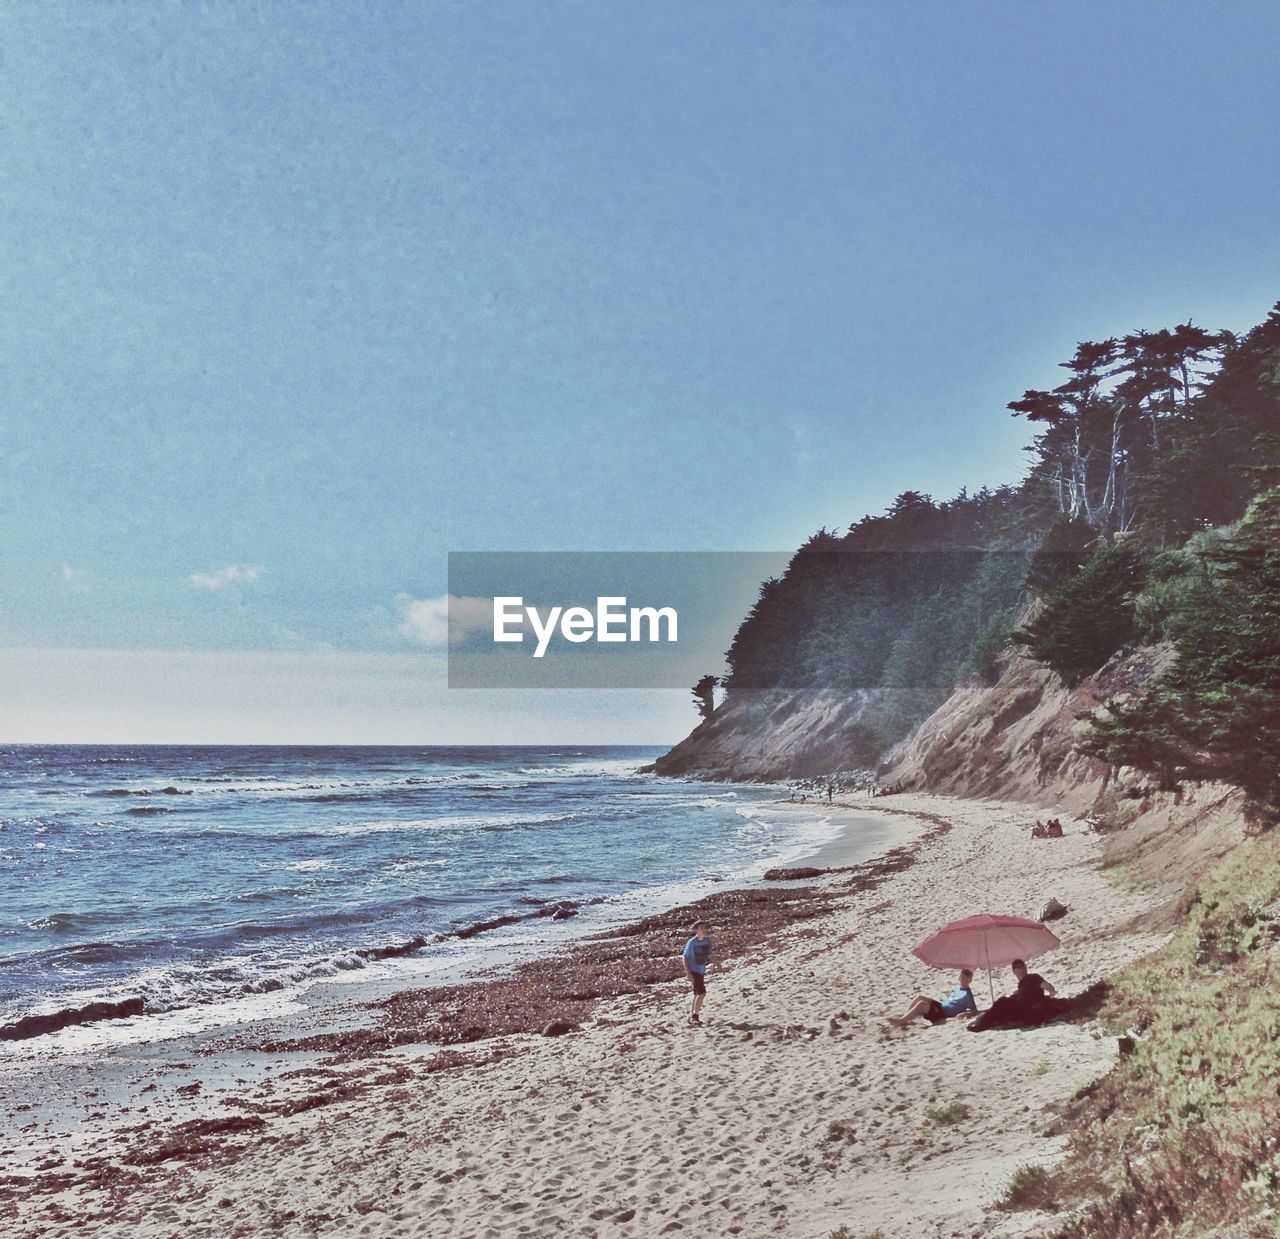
(1013, 740)
(778, 735)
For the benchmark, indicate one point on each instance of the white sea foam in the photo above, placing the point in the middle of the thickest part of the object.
(477, 823)
(619, 828)
(620, 768)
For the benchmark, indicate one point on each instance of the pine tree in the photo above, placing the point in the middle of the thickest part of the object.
(704, 696)
(1088, 615)
(1215, 714)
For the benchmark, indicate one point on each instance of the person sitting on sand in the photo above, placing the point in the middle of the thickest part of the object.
(1032, 990)
(697, 955)
(958, 1002)
(1031, 1004)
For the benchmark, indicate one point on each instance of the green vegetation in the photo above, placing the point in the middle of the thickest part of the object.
(841, 1132)
(1150, 514)
(1088, 614)
(1030, 1187)
(950, 1114)
(1184, 1134)
(1215, 714)
(704, 696)
(1154, 444)
(1121, 877)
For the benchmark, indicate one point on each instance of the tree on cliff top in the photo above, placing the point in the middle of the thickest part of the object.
(704, 696)
(1157, 435)
(1215, 714)
(1087, 615)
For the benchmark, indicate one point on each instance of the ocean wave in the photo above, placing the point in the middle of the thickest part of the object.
(621, 767)
(169, 790)
(245, 886)
(276, 892)
(757, 812)
(38, 825)
(67, 922)
(339, 790)
(503, 821)
(270, 785)
(170, 987)
(76, 953)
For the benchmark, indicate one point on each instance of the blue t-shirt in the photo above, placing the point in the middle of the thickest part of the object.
(960, 999)
(697, 954)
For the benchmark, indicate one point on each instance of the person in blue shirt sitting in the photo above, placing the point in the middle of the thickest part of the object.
(958, 1002)
(697, 955)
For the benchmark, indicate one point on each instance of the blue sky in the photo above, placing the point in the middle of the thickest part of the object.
(299, 298)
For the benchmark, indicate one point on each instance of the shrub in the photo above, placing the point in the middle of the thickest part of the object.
(950, 1114)
(1031, 1187)
(1183, 1135)
(840, 1132)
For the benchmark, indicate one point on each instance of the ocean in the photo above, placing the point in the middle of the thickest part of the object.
(220, 884)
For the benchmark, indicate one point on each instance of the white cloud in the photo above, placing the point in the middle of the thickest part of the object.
(444, 620)
(74, 578)
(232, 574)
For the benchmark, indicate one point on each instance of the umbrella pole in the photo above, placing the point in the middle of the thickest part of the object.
(986, 950)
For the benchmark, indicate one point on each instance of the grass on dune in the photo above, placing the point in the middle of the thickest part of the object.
(950, 1114)
(1182, 1137)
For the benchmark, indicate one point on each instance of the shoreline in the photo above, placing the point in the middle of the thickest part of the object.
(337, 1019)
(539, 939)
(106, 1021)
(430, 1062)
(564, 986)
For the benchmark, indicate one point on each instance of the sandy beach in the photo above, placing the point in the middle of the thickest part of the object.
(633, 1123)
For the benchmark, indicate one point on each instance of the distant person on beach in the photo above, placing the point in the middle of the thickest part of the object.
(1051, 829)
(831, 788)
(697, 955)
(958, 1002)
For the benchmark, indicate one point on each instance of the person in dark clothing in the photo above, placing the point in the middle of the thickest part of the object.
(1034, 1002)
(1032, 989)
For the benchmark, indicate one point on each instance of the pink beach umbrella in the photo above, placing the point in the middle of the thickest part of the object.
(985, 942)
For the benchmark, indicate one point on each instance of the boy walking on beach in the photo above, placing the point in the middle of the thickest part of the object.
(697, 955)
